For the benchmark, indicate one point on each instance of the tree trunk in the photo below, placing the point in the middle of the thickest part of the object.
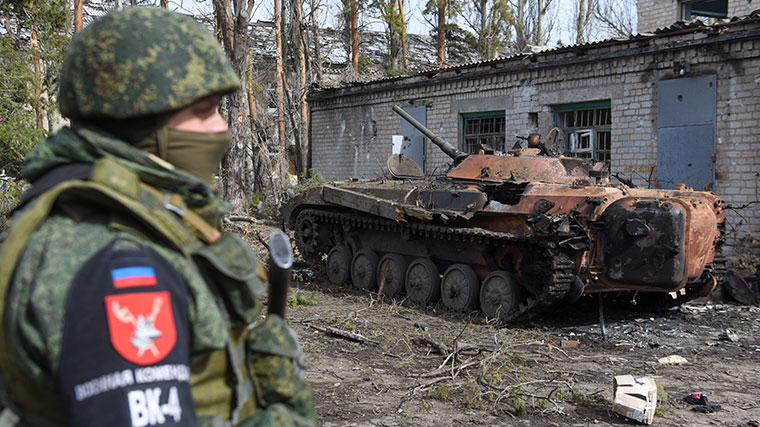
(539, 30)
(37, 75)
(165, 4)
(404, 56)
(278, 75)
(241, 157)
(317, 47)
(522, 41)
(441, 41)
(78, 15)
(354, 36)
(258, 154)
(299, 44)
(580, 21)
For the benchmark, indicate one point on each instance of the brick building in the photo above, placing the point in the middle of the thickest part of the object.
(654, 14)
(679, 105)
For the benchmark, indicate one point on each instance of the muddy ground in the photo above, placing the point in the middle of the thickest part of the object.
(556, 369)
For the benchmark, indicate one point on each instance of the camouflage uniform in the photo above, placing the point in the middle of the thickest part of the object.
(123, 303)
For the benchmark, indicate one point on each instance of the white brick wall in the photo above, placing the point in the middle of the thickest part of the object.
(654, 14)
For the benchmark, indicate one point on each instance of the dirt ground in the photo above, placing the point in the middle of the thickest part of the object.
(429, 367)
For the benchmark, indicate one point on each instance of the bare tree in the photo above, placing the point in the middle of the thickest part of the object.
(240, 184)
(279, 75)
(316, 58)
(388, 11)
(299, 44)
(539, 28)
(491, 22)
(617, 18)
(584, 11)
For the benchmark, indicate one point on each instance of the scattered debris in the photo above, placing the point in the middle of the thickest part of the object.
(701, 404)
(303, 275)
(635, 398)
(742, 291)
(673, 360)
(570, 343)
(728, 335)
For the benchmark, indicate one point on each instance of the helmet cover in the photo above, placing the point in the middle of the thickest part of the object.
(137, 62)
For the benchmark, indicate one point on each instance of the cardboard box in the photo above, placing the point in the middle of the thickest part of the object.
(635, 398)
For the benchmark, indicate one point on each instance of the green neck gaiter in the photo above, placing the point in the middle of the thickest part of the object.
(196, 152)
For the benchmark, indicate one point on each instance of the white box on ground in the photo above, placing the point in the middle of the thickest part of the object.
(635, 398)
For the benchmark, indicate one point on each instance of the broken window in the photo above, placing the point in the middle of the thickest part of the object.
(706, 8)
(587, 127)
(483, 131)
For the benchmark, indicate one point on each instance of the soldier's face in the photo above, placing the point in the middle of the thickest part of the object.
(201, 117)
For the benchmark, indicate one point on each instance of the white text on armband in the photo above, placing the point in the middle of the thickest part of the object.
(147, 407)
(128, 377)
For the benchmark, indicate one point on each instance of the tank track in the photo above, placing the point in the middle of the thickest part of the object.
(556, 268)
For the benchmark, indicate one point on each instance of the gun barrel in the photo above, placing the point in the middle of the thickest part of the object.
(447, 148)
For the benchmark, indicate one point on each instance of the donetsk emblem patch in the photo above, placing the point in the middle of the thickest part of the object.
(141, 325)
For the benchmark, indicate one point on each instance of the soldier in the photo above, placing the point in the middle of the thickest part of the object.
(123, 303)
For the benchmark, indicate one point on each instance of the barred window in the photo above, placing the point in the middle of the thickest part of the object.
(587, 127)
(481, 130)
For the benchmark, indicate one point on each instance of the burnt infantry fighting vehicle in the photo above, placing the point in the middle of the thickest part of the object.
(510, 234)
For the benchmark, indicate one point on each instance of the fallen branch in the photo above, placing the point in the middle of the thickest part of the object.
(440, 348)
(242, 218)
(353, 336)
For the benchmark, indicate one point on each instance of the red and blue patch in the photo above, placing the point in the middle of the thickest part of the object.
(128, 277)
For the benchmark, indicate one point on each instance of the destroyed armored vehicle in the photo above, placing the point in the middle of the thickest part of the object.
(509, 234)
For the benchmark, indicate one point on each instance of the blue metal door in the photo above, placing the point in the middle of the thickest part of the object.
(686, 132)
(414, 141)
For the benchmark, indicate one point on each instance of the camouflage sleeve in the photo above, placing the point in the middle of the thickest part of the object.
(277, 365)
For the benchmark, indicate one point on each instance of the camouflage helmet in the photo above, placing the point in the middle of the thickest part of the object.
(139, 62)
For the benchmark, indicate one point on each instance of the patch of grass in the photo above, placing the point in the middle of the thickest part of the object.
(472, 395)
(425, 406)
(298, 277)
(297, 300)
(542, 405)
(442, 391)
(662, 402)
(579, 398)
(305, 184)
(519, 406)
(525, 334)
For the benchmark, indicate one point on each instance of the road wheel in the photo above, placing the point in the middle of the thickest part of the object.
(364, 269)
(339, 264)
(423, 281)
(393, 267)
(499, 294)
(460, 287)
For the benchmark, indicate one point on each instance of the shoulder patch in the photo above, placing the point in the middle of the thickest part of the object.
(127, 277)
(141, 325)
(125, 356)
